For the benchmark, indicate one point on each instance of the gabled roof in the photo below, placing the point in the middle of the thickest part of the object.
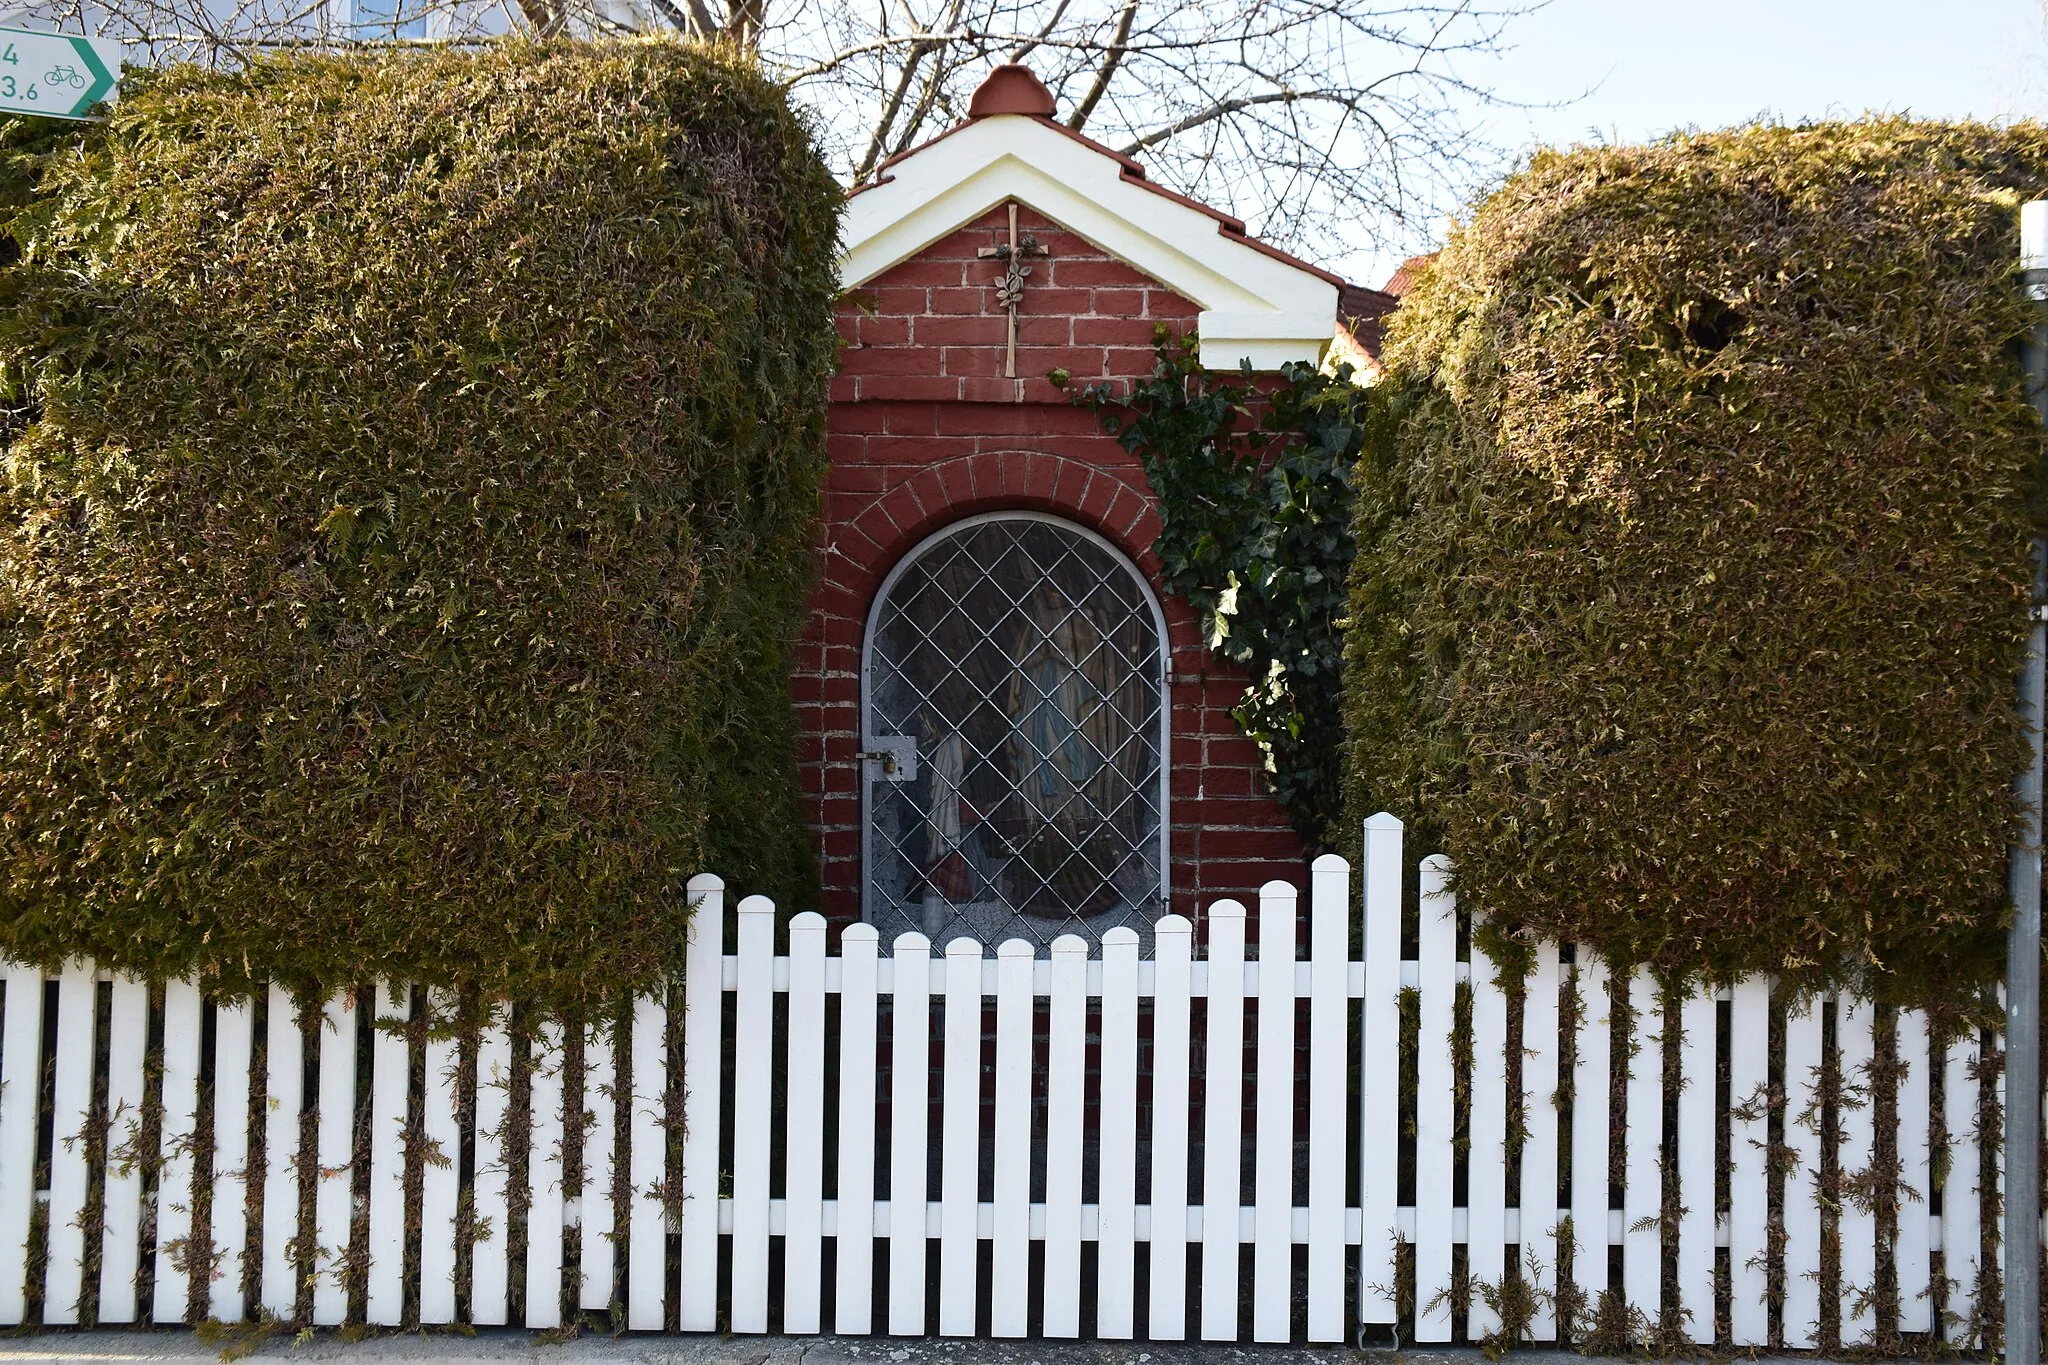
(1257, 301)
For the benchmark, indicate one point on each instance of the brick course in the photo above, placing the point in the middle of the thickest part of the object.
(923, 430)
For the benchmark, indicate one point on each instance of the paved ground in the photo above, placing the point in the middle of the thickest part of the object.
(446, 1349)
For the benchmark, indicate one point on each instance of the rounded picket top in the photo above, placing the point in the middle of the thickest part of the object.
(1434, 879)
(862, 933)
(1124, 936)
(1070, 945)
(1227, 909)
(963, 947)
(756, 905)
(1171, 925)
(911, 944)
(1015, 948)
(1331, 862)
(1279, 890)
(809, 922)
(705, 883)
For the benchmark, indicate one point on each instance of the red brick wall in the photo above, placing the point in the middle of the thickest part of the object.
(925, 430)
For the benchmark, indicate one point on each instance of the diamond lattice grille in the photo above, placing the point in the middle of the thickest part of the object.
(1020, 661)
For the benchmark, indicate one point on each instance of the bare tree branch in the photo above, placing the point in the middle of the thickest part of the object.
(1104, 74)
(1330, 126)
(1224, 109)
(894, 104)
(1052, 21)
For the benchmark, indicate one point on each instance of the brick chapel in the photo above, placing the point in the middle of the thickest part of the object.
(1010, 730)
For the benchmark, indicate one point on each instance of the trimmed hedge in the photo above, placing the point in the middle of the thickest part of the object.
(1693, 572)
(407, 515)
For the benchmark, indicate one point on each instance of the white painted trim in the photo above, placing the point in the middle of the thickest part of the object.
(1254, 305)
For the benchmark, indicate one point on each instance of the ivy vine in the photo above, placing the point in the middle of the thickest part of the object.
(1255, 507)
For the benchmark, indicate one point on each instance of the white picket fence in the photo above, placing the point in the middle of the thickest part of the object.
(1195, 1144)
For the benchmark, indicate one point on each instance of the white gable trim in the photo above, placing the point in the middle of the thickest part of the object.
(1254, 305)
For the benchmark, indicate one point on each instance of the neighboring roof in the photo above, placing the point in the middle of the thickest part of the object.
(1256, 300)
(1362, 318)
(1404, 276)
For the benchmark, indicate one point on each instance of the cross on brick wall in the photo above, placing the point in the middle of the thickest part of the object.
(1011, 255)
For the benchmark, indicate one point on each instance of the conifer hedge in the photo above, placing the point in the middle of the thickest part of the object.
(410, 479)
(1694, 557)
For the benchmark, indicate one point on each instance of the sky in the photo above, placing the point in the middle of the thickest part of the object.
(1630, 70)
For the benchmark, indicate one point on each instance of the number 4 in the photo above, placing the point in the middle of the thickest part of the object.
(9, 57)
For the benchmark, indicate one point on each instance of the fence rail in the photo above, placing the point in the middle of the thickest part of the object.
(1270, 1140)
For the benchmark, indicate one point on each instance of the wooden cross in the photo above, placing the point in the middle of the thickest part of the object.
(1010, 287)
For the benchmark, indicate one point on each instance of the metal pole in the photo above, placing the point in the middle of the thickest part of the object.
(2023, 947)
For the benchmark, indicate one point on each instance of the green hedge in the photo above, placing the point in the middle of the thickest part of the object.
(1693, 576)
(407, 515)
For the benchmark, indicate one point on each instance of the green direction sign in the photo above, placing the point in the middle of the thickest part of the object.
(57, 75)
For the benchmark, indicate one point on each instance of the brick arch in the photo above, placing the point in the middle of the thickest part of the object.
(1227, 835)
(863, 548)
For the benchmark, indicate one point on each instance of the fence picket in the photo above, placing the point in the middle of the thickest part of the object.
(909, 1127)
(703, 1062)
(647, 1157)
(1273, 1150)
(1854, 1021)
(71, 1110)
(1434, 1116)
(1223, 1121)
(284, 1097)
(753, 1041)
(1379, 1055)
(1486, 1150)
(854, 1257)
(1801, 1287)
(489, 1257)
(1537, 1199)
(334, 1153)
(596, 1258)
(545, 1038)
(1066, 1082)
(182, 1026)
(1010, 1251)
(1699, 1036)
(1329, 939)
(1592, 1192)
(1749, 1058)
(233, 1034)
(1961, 1197)
(121, 1221)
(1642, 1191)
(21, 1064)
(1117, 1174)
(804, 1130)
(1993, 1146)
(960, 1140)
(1167, 1256)
(390, 1068)
(1911, 1254)
(441, 1166)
